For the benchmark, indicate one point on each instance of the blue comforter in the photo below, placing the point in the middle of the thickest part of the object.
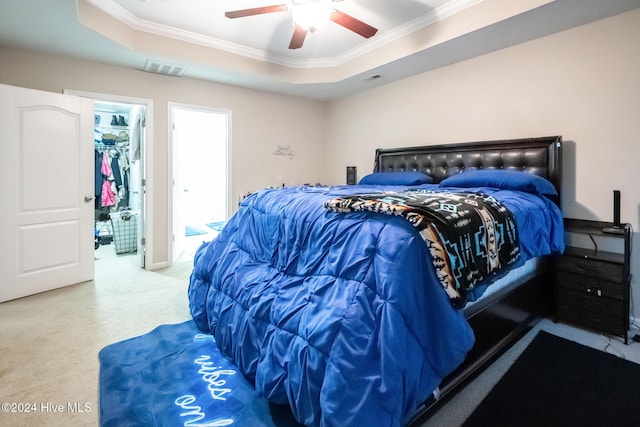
(341, 316)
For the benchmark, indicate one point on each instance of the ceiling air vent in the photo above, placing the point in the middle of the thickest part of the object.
(371, 78)
(166, 69)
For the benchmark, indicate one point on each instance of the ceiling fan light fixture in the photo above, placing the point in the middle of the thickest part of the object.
(311, 15)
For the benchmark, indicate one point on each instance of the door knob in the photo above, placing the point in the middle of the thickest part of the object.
(87, 199)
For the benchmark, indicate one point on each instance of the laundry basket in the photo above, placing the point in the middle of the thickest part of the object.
(125, 231)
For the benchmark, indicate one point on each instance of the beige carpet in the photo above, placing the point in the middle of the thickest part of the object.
(49, 342)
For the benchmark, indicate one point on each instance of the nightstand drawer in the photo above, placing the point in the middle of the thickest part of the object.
(582, 301)
(592, 319)
(591, 267)
(590, 285)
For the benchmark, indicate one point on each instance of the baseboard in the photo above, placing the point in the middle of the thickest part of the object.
(158, 265)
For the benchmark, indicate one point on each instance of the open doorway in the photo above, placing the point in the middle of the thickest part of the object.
(119, 134)
(136, 122)
(200, 140)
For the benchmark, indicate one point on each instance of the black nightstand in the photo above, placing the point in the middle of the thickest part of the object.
(592, 284)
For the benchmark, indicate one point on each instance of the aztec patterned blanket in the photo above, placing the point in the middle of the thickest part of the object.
(471, 236)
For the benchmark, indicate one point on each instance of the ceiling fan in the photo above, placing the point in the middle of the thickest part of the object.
(308, 17)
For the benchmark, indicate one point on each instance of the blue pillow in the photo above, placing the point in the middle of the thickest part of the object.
(503, 179)
(396, 178)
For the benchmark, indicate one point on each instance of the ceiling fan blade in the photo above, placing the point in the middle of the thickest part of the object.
(255, 11)
(353, 24)
(297, 40)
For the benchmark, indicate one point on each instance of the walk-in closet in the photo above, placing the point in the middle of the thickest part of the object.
(118, 141)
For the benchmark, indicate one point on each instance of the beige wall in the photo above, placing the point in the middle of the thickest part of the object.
(260, 122)
(583, 84)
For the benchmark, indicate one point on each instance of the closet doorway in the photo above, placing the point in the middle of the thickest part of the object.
(119, 136)
(136, 122)
(200, 140)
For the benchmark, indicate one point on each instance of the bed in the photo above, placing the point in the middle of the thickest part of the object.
(341, 314)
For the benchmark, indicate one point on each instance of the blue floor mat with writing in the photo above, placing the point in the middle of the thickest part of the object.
(176, 376)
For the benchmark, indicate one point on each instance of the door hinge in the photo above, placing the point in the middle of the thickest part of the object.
(143, 241)
(143, 182)
(144, 123)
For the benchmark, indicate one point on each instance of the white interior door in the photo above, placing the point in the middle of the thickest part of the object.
(46, 178)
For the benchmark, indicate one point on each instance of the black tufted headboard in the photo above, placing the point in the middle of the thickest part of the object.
(540, 156)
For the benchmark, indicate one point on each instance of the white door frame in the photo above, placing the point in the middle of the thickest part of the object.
(171, 107)
(147, 170)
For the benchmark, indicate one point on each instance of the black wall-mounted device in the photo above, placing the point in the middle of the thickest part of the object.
(616, 208)
(617, 225)
(352, 172)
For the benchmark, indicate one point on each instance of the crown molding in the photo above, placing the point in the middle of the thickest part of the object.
(123, 15)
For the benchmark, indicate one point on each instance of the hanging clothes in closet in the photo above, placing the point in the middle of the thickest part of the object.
(112, 163)
(108, 197)
(97, 154)
(110, 176)
(121, 169)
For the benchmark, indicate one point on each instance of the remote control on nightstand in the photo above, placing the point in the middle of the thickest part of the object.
(613, 230)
